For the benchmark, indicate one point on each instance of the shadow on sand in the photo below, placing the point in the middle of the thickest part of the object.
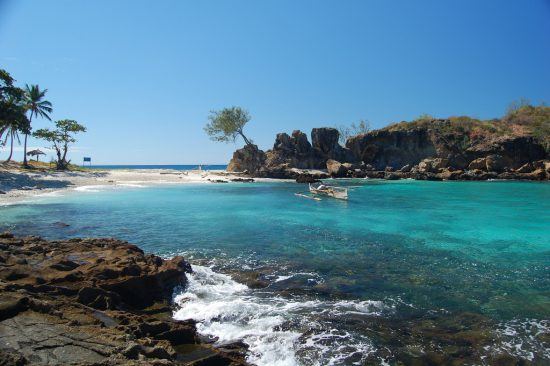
(30, 180)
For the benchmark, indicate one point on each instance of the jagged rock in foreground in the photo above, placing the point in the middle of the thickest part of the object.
(94, 302)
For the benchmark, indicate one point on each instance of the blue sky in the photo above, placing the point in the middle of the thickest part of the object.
(143, 75)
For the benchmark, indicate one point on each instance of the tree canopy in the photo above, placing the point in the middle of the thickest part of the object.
(36, 104)
(61, 137)
(227, 125)
(12, 107)
(354, 129)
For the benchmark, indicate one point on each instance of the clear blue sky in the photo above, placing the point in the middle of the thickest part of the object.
(143, 75)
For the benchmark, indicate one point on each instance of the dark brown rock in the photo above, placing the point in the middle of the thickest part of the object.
(307, 178)
(478, 164)
(248, 159)
(391, 176)
(336, 169)
(91, 302)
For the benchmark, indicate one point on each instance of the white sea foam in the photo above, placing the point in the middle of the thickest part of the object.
(278, 331)
(92, 188)
(523, 338)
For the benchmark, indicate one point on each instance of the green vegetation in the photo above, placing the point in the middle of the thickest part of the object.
(528, 119)
(37, 107)
(227, 124)
(361, 128)
(12, 111)
(60, 138)
(19, 106)
(521, 119)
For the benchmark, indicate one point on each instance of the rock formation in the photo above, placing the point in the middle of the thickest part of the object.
(248, 159)
(92, 302)
(291, 153)
(434, 149)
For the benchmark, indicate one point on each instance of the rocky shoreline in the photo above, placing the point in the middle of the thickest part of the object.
(432, 150)
(96, 302)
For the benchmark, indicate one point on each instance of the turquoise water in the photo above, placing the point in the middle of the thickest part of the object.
(387, 275)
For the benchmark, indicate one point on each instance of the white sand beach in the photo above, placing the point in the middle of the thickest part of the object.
(17, 185)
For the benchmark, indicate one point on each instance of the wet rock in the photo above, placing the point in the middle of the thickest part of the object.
(252, 279)
(243, 180)
(447, 174)
(92, 301)
(6, 235)
(307, 178)
(375, 174)
(391, 176)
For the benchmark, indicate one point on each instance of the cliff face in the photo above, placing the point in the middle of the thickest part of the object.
(392, 148)
(398, 148)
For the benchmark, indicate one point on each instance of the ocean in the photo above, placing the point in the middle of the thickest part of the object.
(415, 271)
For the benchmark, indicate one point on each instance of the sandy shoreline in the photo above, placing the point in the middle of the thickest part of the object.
(19, 185)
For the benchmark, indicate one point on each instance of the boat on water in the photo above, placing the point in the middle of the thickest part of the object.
(331, 191)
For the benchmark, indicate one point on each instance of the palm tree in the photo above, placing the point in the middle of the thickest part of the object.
(38, 107)
(11, 130)
(14, 119)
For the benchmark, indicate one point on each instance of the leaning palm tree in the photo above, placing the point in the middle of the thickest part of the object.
(11, 131)
(38, 107)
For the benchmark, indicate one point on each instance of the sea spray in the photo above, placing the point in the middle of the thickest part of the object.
(278, 331)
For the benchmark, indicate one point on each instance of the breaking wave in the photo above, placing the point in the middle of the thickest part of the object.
(278, 331)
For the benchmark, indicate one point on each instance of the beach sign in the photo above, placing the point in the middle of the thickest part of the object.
(87, 160)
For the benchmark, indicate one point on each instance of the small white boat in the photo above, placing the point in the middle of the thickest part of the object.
(340, 193)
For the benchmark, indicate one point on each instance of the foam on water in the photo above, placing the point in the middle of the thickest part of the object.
(523, 338)
(278, 331)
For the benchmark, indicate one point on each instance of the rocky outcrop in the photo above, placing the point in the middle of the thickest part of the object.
(94, 301)
(392, 148)
(402, 147)
(291, 152)
(422, 149)
(248, 159)
(326, 146)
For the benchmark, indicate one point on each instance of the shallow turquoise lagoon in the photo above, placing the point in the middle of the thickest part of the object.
(396, 255)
